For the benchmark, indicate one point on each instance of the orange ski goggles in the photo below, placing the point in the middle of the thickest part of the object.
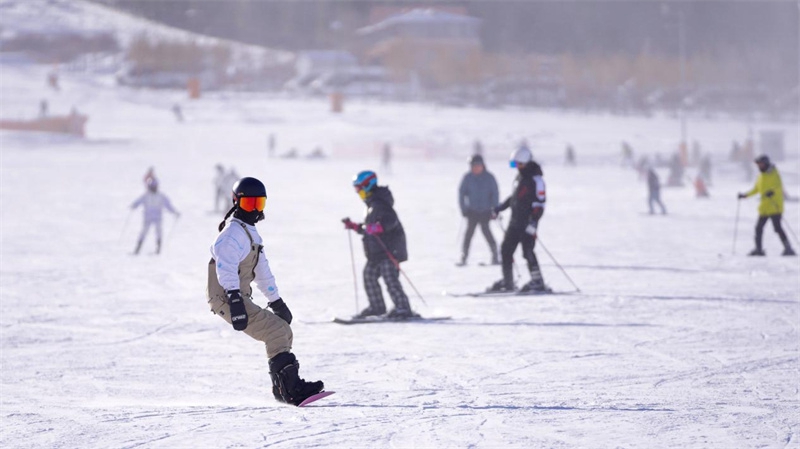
(251, 203)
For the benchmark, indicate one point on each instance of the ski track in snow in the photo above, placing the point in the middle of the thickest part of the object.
(669, 344)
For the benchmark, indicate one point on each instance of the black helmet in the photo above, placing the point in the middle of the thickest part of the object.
(250, 187)
(476, 159)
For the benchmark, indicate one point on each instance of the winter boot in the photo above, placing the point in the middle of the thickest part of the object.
(286, 382)
(757, 252)
(535, 285)
(501, 286)
(463, 261)
(788, 251)
(371, 311)
(398, 314)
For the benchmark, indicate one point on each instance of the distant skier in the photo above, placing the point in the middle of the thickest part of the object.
(770, 187)
(271, 145)
(238, 260)
(654, 191)
(384, 245)
(221, 185)
(527, 207)
(477, 196)
(386, 157)
(569, 158)
(153, 202)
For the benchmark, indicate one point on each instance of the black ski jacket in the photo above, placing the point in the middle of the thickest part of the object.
(380, 210)
(527, 201)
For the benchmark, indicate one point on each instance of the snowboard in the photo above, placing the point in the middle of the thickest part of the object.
(316, 397)
(383, 319)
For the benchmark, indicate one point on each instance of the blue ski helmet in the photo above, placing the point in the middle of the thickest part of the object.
(364, 182)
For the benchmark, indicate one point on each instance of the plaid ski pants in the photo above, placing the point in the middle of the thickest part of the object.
(391, 277)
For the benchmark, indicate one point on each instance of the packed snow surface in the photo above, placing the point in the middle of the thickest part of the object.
(673, 341)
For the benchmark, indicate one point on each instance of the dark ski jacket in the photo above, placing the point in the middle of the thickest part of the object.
(380, 210)
(477, 193)
(527, 201)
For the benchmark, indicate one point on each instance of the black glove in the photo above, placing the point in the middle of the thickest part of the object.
(742, 195)
(769, 194)
(280, 309)
(238, 311)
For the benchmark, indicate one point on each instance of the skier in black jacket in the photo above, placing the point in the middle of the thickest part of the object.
(527, 206)
(384, 245)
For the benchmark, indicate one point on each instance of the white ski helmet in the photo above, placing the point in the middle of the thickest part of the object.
(522, 155)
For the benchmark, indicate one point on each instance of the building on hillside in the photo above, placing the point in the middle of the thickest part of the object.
(439, 48)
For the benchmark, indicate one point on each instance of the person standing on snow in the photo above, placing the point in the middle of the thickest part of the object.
(384, 245)
(238, 260)
(654, 191)
(770, 187)
(220, 187)
(477, 196)
(153, 203)
(527, 207)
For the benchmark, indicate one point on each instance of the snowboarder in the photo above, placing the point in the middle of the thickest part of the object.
(384, 245)
(153, 202)
(770, 187)
(654, 191)
(527, 207)
(477, 196)
(238, 260)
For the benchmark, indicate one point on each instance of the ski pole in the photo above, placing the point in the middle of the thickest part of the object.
(736, 225)
(125, 226)
(397, 265)
(541, 243)
(353, 262)
(171, 230)
(786, 222)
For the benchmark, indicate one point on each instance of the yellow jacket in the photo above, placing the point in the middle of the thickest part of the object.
(769, 180)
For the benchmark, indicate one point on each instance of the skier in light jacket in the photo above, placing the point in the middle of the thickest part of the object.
(153, 203)
(238, 260)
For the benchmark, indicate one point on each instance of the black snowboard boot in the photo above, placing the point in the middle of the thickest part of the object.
(287, 386)
(757, 252)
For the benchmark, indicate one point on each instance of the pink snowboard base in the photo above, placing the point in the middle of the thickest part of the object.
(316, 397)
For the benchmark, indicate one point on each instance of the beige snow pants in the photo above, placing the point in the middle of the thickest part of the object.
(262, 325)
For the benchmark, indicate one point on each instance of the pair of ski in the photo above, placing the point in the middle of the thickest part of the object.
(385, 319)
(491, 294)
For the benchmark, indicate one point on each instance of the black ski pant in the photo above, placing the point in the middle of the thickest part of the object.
(473, 220)
(514, 236)
(391, 277)
(776, 224)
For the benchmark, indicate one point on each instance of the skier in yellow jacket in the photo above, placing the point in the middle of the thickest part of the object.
(770, 187)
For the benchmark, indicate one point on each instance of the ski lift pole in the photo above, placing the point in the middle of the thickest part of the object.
(577, 289)
(353, 263)
(397, 265)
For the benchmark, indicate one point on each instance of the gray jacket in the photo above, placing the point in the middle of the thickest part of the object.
(478, 193)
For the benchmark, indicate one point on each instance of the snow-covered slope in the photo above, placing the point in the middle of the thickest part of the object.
(673, 342)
